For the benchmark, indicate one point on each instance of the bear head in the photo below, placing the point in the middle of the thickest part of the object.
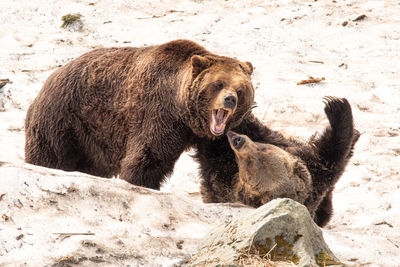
(265, 169)
(220, 94)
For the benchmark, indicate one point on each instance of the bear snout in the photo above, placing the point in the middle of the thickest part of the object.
(230, 101)
(231, 134)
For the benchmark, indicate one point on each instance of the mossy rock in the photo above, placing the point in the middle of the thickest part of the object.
(70, 19)
(323, 259)
(280, 231)
(280, 250)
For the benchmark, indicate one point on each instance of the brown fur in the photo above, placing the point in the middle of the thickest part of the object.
(325, 157)
(267, 172)
(133, 111)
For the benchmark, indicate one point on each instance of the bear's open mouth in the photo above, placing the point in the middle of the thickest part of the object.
(219, 117)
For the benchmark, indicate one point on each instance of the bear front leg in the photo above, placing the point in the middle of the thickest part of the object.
(217, 169)
(147, 162)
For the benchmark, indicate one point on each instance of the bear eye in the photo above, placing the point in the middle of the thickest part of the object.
(219, 85)
(237, 141)
(239, 93)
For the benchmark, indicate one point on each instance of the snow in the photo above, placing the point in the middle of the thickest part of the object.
(286, 41)
(53, 216)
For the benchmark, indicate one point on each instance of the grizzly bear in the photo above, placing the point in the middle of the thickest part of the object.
(325, 156)
(267, 172)
(132, 111)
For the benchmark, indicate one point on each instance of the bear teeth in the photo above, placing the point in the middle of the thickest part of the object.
(219, 119)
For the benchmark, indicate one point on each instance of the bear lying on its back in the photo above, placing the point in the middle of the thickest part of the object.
(311, 168)
(267, 172)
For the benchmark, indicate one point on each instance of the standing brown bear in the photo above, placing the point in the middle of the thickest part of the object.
(133, 111)
(324, 157)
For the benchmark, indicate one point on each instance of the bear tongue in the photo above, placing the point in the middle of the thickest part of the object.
(218, 123)
(220, 116)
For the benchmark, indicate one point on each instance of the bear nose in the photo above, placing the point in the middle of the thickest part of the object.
(230, 101)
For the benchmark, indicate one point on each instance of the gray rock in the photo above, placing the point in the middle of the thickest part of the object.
(282, 228)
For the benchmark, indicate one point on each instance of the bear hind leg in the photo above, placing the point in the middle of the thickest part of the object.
(60, 153)
(337, 142)
(38, 152)
(340, 137)
(324, 211)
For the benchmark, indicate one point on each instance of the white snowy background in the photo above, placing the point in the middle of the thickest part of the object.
(287, 41)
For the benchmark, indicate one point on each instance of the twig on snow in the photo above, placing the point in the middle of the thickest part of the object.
(311, 80)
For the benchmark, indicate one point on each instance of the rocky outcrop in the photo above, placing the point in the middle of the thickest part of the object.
(281, 230)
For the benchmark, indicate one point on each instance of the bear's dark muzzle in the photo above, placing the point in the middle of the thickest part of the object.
(230, 101)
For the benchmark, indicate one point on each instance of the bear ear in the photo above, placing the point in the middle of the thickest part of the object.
(247, 67)
(199, 63)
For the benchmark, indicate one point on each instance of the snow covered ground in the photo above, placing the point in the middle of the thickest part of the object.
(287, 41)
